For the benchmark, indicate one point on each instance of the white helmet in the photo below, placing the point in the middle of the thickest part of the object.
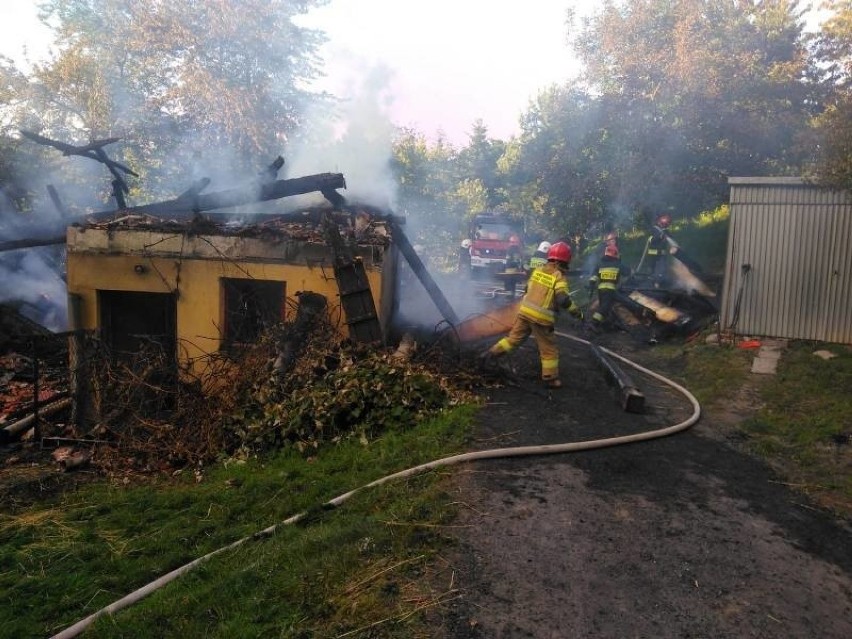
(544, 247)
(466, 243)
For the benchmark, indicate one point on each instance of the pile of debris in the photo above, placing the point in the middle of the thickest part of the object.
(33, 374)
(265, 398)
(363, 224)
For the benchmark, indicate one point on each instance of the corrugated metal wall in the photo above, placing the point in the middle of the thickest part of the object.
(796, 240)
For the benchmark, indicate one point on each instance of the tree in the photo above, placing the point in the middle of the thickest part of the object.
(428, 179)
(184, 82)
(478, 164)
(695, 91)
(564, 165)
(833, 128)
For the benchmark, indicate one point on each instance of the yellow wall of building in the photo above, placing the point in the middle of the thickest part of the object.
(198, 287)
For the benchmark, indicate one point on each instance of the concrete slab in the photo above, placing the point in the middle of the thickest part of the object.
(764, 365)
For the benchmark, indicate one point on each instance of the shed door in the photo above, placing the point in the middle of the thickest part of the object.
(838, 324)
(133, 322)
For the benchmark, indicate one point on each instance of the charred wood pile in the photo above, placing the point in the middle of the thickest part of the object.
(33, 375)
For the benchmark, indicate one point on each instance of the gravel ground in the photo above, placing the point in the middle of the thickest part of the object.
(682, 536)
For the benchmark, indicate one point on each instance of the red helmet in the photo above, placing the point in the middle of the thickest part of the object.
(664, 221)
(559, 252)
(611, 250)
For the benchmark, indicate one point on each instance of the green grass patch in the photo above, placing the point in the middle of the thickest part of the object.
(802, 417)
(805, 424)
(714, 374)
(336, 571)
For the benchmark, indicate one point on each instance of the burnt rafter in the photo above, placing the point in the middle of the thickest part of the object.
(192, 201)
(93, 150)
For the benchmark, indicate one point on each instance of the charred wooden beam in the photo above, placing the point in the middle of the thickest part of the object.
(271, 172)
(93, 150)
(14, 245)
(423, 274)
(17, 428)
(632, 399)
(54, 197)
(192, 201)
(197, 187)
(320, 182)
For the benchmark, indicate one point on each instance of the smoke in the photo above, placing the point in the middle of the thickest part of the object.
(32, 279)
(687, 281)
(32, 282)
(355, 140)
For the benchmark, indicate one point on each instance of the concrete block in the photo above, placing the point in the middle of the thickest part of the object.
(764, 366)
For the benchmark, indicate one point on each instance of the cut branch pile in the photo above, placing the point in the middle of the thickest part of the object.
(246, 404)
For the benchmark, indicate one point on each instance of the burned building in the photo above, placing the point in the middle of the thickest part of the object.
(202, 286)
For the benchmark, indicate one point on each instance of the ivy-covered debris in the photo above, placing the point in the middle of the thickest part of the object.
(248, 403)
(340, 392)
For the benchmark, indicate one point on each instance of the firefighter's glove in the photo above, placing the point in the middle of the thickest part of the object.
(576, 311)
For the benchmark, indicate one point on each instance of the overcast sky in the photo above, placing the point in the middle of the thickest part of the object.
(450, 62)
(436, 65)
(443, 63)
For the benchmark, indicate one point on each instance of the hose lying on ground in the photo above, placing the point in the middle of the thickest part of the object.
(518, 451)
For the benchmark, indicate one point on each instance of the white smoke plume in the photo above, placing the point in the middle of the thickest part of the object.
(356, 141)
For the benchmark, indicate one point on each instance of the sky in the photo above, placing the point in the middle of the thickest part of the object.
(443, 63)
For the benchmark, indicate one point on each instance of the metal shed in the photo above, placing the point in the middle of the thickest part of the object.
(788, 271)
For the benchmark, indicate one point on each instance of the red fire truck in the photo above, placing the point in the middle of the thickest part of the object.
(495, 239)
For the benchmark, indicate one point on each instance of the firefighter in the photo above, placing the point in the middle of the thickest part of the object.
(547, 291)
(539, 258)
(464, 256)
(657, 250)
(605, 282)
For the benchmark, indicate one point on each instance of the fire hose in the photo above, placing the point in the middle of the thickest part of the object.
(495, 453)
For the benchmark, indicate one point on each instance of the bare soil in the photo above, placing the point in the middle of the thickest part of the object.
(682, 536)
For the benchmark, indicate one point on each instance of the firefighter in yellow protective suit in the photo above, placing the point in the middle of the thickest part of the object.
(547, 291)
(605, 283)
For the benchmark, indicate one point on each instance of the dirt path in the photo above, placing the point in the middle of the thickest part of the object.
(677, 537)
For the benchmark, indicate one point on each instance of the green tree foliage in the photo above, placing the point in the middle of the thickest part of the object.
(833, 128)
(566, 152)
(180, 81)
(428, 179)
(677, 96)
(478, 170)
(441, 188)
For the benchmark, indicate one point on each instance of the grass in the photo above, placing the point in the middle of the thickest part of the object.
(712, 373)
(806, 423)
(802, 424)
(366, 562)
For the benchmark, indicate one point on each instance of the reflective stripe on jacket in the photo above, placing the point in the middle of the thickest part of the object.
(537, 262)
(608, 277)
(539, 304)
(657, 243)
